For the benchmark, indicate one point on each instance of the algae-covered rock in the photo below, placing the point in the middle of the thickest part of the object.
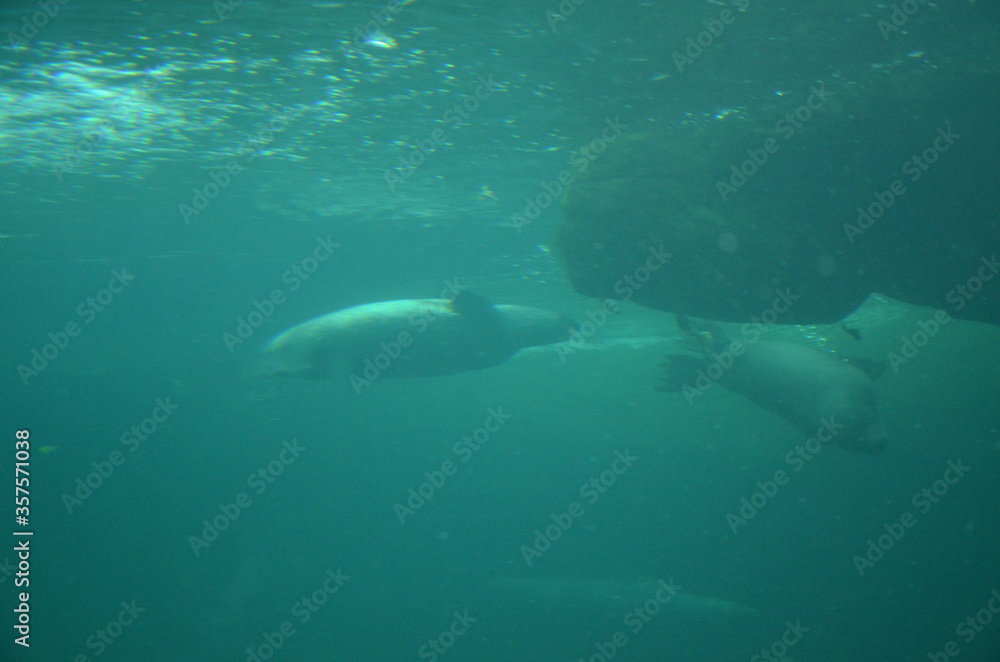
(802, 207)
(657, 206)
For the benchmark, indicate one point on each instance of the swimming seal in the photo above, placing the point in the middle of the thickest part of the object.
(809, 388)
(411, 338)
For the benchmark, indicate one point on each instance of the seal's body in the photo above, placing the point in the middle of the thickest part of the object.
(412, 338)
(811, 389)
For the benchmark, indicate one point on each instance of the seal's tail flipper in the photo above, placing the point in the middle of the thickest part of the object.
(701, 337)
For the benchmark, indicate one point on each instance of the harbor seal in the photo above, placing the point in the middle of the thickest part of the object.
(819, 394)
(410, 338)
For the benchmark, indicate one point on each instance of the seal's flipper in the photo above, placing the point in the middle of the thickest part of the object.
(707, 337)
(488, 320)
(851, 331)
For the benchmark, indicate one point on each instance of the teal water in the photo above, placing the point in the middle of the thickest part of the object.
(118, 116)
